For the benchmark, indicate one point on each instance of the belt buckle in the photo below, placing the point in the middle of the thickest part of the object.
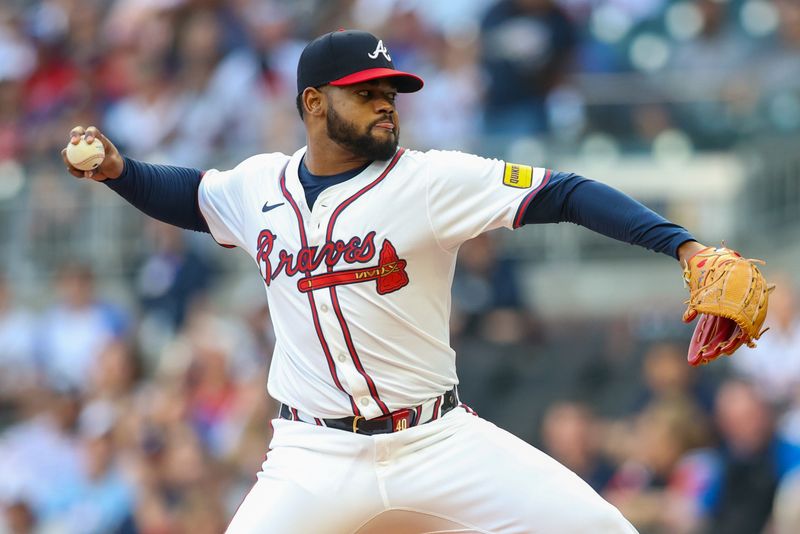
(402, 419)
(355, 423)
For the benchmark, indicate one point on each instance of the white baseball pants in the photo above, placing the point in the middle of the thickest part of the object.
(459, 473)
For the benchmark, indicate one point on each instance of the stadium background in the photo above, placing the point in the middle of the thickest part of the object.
(133, 356)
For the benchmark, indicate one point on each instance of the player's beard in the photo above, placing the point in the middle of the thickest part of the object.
(365, 145)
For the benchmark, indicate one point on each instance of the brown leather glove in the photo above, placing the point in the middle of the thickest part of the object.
(731, 295)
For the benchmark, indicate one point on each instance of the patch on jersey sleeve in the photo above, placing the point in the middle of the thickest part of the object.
(517, 175)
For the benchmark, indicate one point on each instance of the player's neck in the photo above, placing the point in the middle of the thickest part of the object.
(328, 158)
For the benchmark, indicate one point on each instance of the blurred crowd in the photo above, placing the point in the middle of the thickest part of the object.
(193, 81)
(132, 392)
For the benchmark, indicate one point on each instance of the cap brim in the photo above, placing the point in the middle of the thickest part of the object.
(404, 81)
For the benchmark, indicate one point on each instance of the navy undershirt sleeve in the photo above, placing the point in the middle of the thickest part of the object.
(163, 192)
(568, 197)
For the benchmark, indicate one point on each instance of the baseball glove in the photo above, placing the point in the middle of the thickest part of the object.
(730, 294)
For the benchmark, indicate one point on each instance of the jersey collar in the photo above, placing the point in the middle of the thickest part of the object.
(345, 188)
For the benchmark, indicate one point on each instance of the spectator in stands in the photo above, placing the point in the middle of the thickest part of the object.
(172, 478)
(150, 104)
(714, 58)
(212, 366)
(569, 434)
(11, 135)
(219, 95)
(212, 391)
(752, 461)
(40, 455)
(485, 285)
(774, 364)
(276, 45)
(666, 470)
(18, 371)
(173, 276)
(76, 328)
(446, 114)
(779, 73)
(116, 373)
(666, 376)
(527, 51)
(101, 498)
(54, 83)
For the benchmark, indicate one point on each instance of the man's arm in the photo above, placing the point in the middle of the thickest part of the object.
(163, 192)
(572, 198)
(727, 291)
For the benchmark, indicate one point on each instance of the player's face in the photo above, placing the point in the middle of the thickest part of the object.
(362, 118)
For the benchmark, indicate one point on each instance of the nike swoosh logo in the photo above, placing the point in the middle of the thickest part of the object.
(267, 207)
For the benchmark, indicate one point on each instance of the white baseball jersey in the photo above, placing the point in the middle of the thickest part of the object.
(359, 286)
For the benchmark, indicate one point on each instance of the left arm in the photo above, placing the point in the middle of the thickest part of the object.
(727, 291)
(572, 198)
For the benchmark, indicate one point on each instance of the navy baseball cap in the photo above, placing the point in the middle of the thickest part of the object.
(347, 57)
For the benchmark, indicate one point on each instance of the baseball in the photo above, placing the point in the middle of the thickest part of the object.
(85, 156)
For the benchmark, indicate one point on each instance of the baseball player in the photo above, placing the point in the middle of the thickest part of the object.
(356, 239)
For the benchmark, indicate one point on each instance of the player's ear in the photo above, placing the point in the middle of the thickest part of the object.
(314, 101)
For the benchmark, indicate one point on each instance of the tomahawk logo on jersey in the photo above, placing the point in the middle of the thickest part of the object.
(389, 273)
(359, 291)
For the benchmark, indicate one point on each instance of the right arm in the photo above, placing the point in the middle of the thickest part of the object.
(163, 192)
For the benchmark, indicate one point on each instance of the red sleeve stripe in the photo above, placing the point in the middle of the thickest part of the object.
(528, 198)
(468, 409)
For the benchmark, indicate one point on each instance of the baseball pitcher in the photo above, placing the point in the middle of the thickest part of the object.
(356, 240)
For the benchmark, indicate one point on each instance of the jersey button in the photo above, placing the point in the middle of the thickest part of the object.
(324, 308)
(342, 357)
(364, 401)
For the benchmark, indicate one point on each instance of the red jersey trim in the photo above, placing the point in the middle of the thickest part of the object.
(373, 390)
(529, 197)
(314, 315)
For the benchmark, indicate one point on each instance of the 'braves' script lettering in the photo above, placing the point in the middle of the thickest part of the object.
(307, 259)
